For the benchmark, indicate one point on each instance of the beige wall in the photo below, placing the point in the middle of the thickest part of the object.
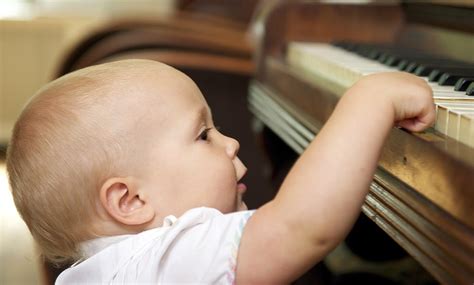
(29, 53)
(31, 47)
(30, 50)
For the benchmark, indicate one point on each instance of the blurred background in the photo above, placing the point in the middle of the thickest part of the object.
(37, 35)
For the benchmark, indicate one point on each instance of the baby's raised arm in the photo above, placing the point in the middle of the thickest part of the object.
(322, 195)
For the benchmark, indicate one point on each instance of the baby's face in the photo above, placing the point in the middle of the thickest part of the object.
(187, 162)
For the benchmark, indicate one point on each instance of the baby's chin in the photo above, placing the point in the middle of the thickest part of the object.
(241, 189)
(241, 206)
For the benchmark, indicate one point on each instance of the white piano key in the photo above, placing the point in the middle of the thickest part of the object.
(345, 68)
(466, 129)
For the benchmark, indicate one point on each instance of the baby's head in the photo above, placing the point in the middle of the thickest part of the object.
(113, 149)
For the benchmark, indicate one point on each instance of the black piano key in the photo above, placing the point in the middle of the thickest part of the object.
(372, 51)
(393, 56)
(470, 89)
(443, 70)
(400, 61)
(392, 60)
(381, 52)
(363, 50)
(406, 59)
(385, 53)
(383, 57)
(463, 83)
(411, 67)
(434, 75)
(403, 64)
(425, 69)
(411, 63)
(374, 54)
(450, 78)
(423, 64)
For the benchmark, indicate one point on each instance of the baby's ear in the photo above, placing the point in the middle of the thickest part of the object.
(124, 202)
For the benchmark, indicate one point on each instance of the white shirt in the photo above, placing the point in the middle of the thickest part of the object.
(199, 248)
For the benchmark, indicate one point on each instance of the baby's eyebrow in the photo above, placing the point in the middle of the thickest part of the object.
(200, 116)
(208, 113)
(203, 114)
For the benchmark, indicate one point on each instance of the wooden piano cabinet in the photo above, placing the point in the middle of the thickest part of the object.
(185, 35)
(422, 194)
(285, 21)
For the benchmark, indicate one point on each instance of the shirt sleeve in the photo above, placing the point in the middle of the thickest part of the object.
(205, 249)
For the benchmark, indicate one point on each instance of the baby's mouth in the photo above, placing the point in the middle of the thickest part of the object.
(241, 188)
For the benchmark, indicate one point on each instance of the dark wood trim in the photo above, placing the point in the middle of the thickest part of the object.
(451, 17)
(283, 21)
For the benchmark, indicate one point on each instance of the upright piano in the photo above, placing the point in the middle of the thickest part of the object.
(310, 52)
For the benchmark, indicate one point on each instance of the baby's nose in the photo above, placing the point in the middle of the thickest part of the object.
(240, 168)
(232, 147)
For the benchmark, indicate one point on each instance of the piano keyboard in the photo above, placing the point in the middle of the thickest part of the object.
(455, 109)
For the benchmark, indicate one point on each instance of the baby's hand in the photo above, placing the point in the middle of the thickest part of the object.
(410, 96)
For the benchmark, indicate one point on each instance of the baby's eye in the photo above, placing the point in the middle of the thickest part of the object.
(204, 134)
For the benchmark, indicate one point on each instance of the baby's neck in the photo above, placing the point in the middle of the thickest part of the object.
(116, 234)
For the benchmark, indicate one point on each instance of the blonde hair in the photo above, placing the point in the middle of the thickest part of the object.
(59, 155)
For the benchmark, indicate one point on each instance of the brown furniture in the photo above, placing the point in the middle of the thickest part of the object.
(174, 37)
(422, 194)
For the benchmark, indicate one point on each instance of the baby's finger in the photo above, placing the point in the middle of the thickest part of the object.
(413, 125)
(420, 123)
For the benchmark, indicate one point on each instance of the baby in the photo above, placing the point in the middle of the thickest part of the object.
(119, 167)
